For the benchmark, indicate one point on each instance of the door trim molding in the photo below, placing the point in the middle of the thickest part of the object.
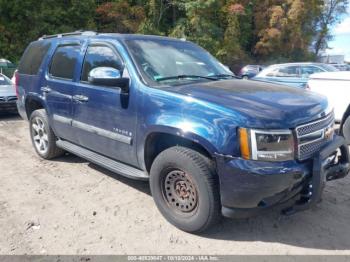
(93, 129)
(102, 132)
(62, 119)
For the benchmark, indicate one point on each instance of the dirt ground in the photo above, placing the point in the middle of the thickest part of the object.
(70, 206)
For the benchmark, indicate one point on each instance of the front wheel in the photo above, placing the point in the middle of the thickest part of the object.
(42, 136)
(185, 189)
(346, 129)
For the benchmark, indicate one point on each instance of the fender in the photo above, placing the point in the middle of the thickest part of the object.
(345, 116)
(175, 131)
(32, 96)
(207, 124)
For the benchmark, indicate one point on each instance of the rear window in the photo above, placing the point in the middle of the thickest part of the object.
(64, 61)
(33, 57)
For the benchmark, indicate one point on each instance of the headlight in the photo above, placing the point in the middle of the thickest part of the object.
(266, 145)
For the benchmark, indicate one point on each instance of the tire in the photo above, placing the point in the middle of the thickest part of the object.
(245, 77)
(346, 129)
(42, 136)
(185, 189)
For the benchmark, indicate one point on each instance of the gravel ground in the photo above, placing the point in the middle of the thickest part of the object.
(70, 206)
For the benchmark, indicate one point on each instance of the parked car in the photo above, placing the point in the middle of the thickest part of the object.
(164, 110)
(342, 67)
(250, 71)
(336, 87)
(7, 95)
(7, 67)
(292, 74)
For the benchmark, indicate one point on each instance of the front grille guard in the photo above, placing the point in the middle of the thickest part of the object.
(322, 171)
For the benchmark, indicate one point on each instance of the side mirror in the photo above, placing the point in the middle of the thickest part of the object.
(108, 76)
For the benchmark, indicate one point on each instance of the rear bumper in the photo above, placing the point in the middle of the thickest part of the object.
(21, 109)
(248, 188)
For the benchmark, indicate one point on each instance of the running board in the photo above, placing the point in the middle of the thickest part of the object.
(110, 164)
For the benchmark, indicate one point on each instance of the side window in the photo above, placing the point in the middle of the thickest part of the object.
(306, 71)
(64, 61)
(33, 57)
(97, 56)
(286, 71)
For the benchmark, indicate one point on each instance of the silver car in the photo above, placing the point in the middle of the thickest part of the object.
(8, 96)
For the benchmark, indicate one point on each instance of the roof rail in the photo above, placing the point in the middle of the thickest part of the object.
(86, 33)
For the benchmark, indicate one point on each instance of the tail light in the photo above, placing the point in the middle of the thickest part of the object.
(16, 82)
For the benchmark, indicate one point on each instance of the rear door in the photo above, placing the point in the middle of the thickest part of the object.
(59, 86)
(105, 118)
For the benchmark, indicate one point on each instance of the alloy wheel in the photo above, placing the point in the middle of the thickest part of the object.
(39, 134)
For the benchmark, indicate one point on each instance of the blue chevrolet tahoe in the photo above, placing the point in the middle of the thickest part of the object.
(164, 110)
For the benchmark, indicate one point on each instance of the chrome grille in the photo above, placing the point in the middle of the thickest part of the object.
(312, 136)
(7, 98)
(11, 98)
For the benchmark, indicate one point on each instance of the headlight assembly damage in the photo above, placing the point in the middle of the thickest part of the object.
(266, 145)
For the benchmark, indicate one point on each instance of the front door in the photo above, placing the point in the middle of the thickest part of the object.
(104, 117)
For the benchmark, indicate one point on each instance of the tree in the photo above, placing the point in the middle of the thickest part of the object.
(24, 21)
(235, 31)
(332, 11)
(119, 17)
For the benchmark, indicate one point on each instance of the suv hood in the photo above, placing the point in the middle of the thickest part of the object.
(262, 105)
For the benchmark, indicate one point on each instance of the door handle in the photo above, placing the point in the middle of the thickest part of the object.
(80, 98)
(46, 89)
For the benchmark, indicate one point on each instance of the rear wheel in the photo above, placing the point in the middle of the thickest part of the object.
(185, 189)
(346, 129)
(42, 136)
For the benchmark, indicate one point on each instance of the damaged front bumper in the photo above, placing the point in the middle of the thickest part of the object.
(248, 188)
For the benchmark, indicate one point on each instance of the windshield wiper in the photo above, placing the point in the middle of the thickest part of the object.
(186, 76)
(225, 75)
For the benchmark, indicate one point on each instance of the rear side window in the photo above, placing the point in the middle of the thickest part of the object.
(33, 57)
(64, 61)
(285, 71)
(98, 56)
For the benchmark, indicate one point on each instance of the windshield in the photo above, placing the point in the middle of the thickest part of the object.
(4, 80)
(328, 68)
(174, 62)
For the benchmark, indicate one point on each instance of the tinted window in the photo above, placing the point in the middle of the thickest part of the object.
(97, 56)
(33, 57)
(64, 61)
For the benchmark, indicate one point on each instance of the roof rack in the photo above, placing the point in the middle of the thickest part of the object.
(86, 33)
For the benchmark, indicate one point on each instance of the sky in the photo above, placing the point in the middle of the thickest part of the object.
(341, 42)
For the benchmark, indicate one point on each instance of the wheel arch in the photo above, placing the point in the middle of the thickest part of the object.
(32, 103)
(157, 141)
(345, 116)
